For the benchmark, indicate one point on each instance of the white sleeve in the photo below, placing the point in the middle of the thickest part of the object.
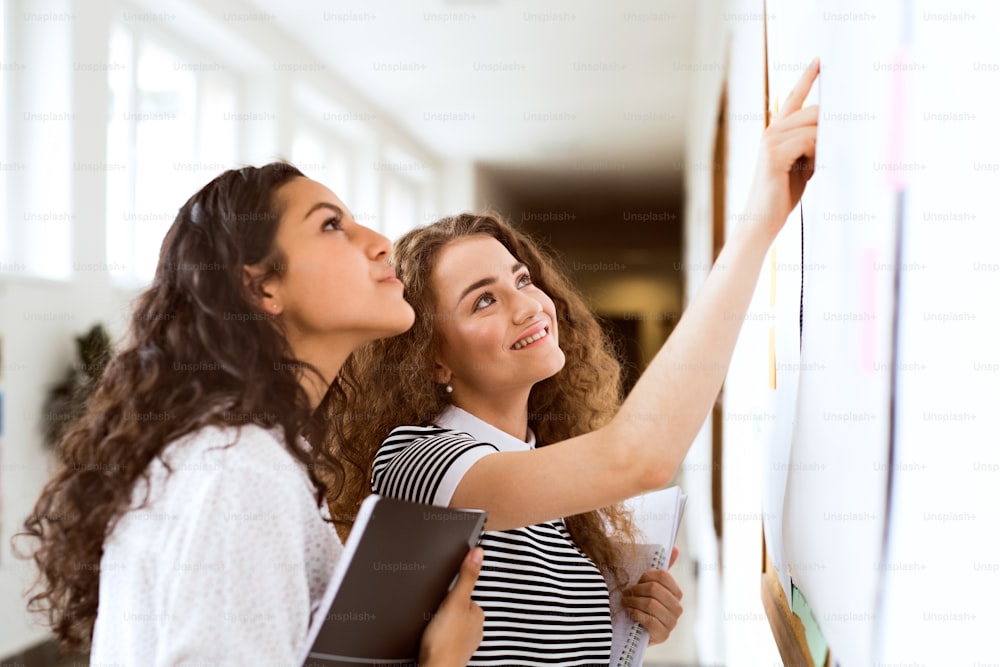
(455, 472)
(233, 586)
(429, 470)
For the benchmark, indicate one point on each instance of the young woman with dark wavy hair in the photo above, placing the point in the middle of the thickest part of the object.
(509, 397)
(184, 522)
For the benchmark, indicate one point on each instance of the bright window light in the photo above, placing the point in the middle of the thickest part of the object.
(169, 124)
(401, 207)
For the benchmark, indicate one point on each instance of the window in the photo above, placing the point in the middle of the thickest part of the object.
(121, 139)
(6, 260)
(218, 138)
(405, 181)
(38, 239)
(324, 145)
(401, 211)
(323, 158)
(172, 126)
(175, 123)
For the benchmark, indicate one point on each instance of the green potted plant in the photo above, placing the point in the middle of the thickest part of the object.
(67, 400)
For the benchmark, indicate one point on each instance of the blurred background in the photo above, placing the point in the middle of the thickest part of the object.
(621, 135)
(567, 117)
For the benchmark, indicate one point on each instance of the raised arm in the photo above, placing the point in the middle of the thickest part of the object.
(643, 446)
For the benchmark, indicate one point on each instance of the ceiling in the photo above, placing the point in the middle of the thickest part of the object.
(576, 106)
(573, 106)
(513, 82)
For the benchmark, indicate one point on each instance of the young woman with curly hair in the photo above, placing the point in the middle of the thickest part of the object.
(509, 399)
(184, 522)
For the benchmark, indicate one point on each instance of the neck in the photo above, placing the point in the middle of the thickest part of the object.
(327, 357)
(507, 413)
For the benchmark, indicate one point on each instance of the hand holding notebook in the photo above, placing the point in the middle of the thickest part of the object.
(657, 516)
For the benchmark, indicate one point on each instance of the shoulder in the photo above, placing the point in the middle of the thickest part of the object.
(245, 460)
(404, 438)
(425, 463)
(217, 481)
(230, 555)
(408, 435)
(215, 437)
(246, 448)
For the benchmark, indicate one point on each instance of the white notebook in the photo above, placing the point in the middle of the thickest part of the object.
(657, 515)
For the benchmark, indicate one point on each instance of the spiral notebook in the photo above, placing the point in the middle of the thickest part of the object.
(396, 568)
(658, 517)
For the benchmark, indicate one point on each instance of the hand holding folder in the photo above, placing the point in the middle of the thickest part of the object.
(396, 569)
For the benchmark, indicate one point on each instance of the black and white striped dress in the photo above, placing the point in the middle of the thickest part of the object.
(545, 601)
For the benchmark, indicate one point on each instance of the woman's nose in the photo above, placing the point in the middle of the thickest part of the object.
(525, 306)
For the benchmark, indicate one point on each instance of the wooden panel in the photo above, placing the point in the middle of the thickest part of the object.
(719, 172)
(789, 633)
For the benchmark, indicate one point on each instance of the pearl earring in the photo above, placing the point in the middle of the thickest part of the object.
(448, 388)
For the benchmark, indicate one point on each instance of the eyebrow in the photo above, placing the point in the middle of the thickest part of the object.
(317, 206)
(517, 266)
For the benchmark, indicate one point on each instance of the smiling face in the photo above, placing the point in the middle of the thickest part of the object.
(498, 332)
(335, 291)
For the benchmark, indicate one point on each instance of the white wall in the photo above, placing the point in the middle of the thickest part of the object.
(709, 55)
(732, 628)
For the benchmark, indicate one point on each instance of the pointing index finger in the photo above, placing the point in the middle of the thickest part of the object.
(801, 90)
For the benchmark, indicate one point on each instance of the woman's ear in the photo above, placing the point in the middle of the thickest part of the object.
(442, 374)
(260, 291)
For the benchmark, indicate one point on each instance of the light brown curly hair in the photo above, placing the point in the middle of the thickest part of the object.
(391, 382)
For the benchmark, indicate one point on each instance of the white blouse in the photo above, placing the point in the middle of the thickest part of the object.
(225, 564)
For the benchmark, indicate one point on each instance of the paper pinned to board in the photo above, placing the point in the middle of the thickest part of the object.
(792, 27)
(833, 539)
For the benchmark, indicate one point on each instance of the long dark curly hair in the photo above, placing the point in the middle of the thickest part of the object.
(199, 352)
(391, 381)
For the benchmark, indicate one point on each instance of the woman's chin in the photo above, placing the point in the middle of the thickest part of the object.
(400, 322)
(392, 322)
(557, 362)
(409, 316)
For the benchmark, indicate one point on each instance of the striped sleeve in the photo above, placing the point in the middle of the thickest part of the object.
(425, 464)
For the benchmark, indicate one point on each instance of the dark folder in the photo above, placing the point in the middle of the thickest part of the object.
(398, 564)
